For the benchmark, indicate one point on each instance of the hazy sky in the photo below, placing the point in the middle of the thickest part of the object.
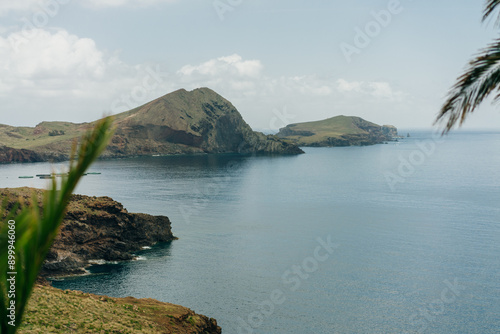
(279, 62)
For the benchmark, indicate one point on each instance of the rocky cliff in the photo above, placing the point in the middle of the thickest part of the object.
(390, 131)
(337, 131)
(182, 122)
(9, 154)
(96, 228)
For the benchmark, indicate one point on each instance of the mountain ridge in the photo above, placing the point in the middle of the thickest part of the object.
(181, 122)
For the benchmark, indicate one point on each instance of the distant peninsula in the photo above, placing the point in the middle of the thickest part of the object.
(338, 131)
(182, 122)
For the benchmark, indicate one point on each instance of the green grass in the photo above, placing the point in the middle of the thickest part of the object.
(52, 310)
(30, 138)
(334, 127)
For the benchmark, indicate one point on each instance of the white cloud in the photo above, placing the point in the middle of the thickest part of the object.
(55, 75)
(246, 77)
(233, 65)
(52, 6)
(345, 86)
(17, 5)
(241, 77)
(57, 54)
(374, 89)
(381, 89)
(122, 3)
(309, 97)
(308, 85)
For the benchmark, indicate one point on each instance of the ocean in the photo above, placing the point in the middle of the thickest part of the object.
(395, 238)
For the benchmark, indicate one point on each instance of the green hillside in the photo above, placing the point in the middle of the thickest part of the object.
(182, 122)
(337, 131)
(45, 133)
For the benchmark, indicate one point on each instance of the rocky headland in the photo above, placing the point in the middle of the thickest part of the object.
(96, 229)
(100, 229)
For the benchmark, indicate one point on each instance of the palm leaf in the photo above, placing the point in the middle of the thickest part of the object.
(477, 83)
(491, 5)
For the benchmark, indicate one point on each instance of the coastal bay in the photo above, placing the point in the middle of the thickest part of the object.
(245, 221)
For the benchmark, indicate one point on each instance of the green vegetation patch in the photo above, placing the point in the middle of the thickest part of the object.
(51, 310)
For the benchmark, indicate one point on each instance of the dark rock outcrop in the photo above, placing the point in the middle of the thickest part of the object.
(96, 228)
(9, 154)
(99, 228)
(14, 155)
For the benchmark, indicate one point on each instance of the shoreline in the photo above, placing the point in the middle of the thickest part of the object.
(95, 230)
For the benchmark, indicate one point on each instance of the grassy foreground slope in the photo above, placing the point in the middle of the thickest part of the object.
(51, 310)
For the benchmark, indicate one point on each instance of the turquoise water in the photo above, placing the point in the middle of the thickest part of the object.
(415, 227)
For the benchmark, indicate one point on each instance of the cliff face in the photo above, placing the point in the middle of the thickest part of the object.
(9, 154)
(182, 122)
(97, 228)
(337, 131)
(390, 130)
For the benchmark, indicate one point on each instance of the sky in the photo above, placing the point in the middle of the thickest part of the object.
(278, 62)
